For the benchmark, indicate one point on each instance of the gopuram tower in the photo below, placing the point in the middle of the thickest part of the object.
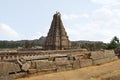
(57, 38)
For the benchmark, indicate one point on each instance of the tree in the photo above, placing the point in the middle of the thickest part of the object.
(27, 44)
(114, 43)
(75, 45)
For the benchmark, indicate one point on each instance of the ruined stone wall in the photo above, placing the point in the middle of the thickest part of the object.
(35, 54)
(9, 70)
(96, 58)
(100, 57)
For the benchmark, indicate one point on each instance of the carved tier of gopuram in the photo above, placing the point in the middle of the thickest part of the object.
(57, 38)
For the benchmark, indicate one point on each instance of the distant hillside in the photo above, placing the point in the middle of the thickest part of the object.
(21, 43)
(86, 42)
(90, 45)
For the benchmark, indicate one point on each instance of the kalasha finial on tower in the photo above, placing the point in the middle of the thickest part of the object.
(58, 13)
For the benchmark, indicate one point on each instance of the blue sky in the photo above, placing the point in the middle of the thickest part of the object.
(94, 20)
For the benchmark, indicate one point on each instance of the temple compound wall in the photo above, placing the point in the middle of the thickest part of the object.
(61, 61)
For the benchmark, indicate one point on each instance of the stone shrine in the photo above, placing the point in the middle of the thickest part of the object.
(57, 38)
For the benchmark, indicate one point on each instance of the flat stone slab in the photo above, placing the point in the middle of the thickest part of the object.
(85, 62)
(101, 61)
(45, 65)
(31, 71)
(109, 53)
(114, 58)
(97, 55)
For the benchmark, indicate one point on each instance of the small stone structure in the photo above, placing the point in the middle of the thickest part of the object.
(57, 38)
(14, 69)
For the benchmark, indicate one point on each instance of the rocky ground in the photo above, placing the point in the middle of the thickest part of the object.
(108, 71)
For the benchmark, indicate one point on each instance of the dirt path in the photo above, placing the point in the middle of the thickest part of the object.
(87, 73)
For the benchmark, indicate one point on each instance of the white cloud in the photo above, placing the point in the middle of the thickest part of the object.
(107, 2)
(107, 17)
(101, 25)
(7, 32)
(108, 21)
(89, 31)
(105, 14)
(74, 16)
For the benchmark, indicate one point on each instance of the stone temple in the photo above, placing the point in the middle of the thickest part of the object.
(57, 38)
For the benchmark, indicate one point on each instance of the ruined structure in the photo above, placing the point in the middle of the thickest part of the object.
(15, 64)
(20, 62)
(57, 38)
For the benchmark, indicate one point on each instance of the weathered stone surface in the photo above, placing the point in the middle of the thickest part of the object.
(69, 67)
(25, 66)
(62, 65)
(97, 55)
(7, 68)
(113, 58)
(59, 59)
(76, 64)
(61, 68)
(79, 56)
(5, 78)
(17, 75)
(31, 71)
(45, 66)
(104, 56)
(57, 38)
(85, 62)
(33, 64)
(101, 61)
(109, 53)
(29, 62)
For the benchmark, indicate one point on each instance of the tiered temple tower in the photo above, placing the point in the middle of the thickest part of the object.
(57, 38)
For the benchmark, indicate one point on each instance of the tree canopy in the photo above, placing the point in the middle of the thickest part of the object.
(114, 43)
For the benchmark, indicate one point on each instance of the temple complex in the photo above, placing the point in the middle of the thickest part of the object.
(16, 63)
(57, 38)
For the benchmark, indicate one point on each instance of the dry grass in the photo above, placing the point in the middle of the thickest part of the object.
(87, 73)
